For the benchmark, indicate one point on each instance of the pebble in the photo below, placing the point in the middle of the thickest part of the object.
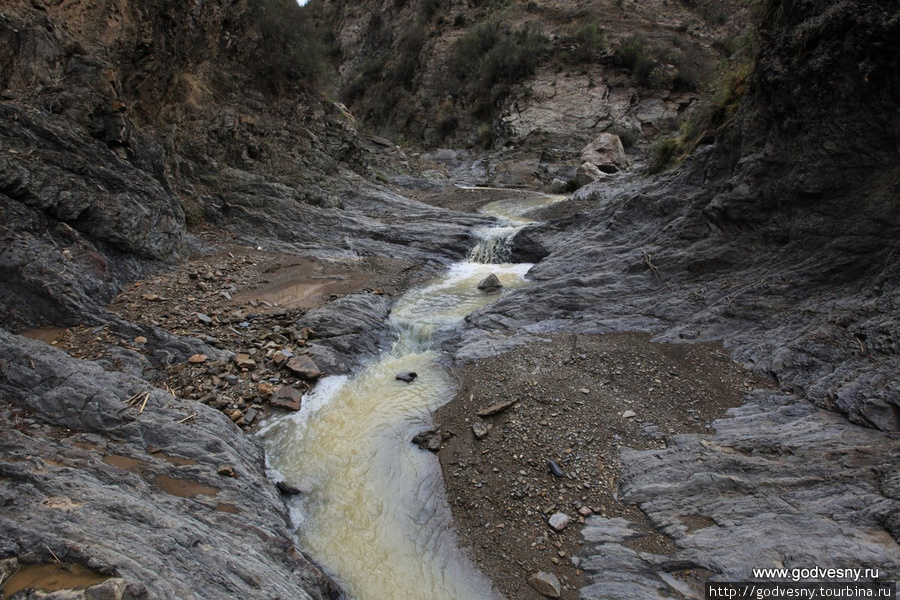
(554, 468)
(479, 430)
(204, 318)
(628, 414)
(140, 340)
(198, 359)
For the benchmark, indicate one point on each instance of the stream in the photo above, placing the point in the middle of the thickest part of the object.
(373, 511)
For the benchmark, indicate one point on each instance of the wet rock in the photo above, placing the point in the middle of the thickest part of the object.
(348, 331)
(303, 366)
(479, 430)
(428, 440)
(287, 489)
(546, 584)
(490, 284)
(250, 415)
(558, 521)
(408, 377)
(554, 468)
(287, 398)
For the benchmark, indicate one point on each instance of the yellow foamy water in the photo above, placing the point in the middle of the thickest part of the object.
(373, 511)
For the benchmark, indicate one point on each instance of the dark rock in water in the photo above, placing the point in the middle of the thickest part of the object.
(554, 468)
(429, 440)
(287, 489)
(408, 377)
(287, 398)
(303, 366)
(490, 284)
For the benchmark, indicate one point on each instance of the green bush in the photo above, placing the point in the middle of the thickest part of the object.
(589, 42)
(490, 58)
(723, 98)
(292, 50)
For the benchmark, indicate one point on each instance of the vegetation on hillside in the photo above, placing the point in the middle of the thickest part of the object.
(294, 49)
(489, 59)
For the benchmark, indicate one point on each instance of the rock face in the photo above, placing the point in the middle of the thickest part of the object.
(92, 478)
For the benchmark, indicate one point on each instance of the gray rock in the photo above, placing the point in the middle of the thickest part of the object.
(546, 584)
(348, 331)
(558, 521)
(479, 430)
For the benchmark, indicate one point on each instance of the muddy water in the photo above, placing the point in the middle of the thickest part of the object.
(50, 578)
(373, 511)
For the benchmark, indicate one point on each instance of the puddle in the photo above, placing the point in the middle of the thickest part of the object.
(183, 488)
(50, 578)
(225, 507)
(48, 335)
(124, 462)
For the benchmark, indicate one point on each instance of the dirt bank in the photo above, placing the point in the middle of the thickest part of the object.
(579, 399)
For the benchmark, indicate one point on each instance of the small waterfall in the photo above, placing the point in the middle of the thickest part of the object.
(494, 245)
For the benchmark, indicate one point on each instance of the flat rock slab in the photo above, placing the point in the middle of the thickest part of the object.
(497, 408)
(287, 398)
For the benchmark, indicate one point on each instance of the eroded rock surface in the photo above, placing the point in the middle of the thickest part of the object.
(132, 488)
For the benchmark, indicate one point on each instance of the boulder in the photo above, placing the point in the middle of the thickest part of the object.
(606, 153)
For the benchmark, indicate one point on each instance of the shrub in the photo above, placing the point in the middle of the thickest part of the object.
(491, 57)
(723, 98)
(291, 49)
(589, 41)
